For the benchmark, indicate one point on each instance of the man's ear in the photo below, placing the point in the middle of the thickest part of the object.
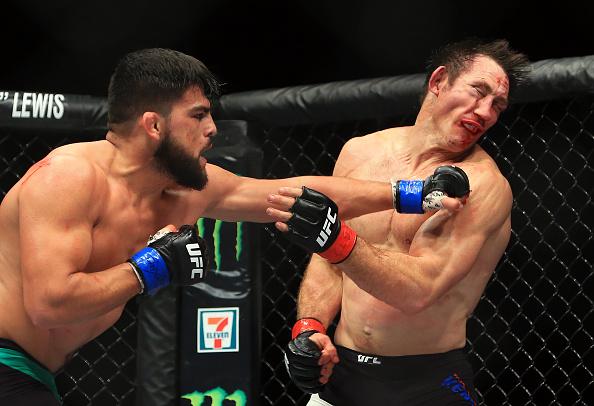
(152, 123)
(438, 80)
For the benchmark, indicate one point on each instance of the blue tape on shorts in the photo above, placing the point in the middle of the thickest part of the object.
(153, 268)
(411, 196)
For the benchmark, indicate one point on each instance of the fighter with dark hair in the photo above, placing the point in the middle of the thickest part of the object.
(74, 229)
(405, 285)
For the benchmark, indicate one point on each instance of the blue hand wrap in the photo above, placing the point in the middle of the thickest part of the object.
(411, 196)
(153, 268)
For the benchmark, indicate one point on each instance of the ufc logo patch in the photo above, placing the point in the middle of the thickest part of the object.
(195, 254)
(325, 231)
(366, 359)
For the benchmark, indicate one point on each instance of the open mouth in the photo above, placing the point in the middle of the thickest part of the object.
(472, 126)
(206, 148)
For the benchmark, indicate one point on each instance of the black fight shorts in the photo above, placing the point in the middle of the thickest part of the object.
(21, 378)
(412, 380)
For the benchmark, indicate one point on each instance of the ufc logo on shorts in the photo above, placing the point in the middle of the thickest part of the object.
(325, 232)
(195, 254)
(366, 359)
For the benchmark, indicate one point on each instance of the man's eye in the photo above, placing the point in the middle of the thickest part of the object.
(499, 108)
(478, 90)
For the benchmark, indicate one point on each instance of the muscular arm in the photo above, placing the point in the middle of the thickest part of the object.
(320, 293)
(235, 198)
(442, 253)
(57, 209)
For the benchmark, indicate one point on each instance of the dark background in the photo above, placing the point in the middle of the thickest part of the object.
(72, 46)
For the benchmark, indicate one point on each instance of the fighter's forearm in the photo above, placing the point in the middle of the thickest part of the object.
(398, 279)
(353, 197)
(235, 198)
(320, 294)
(83, 296)
(248, 202)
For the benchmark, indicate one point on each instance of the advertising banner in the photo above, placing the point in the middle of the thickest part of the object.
(220, 317)
(52, 111)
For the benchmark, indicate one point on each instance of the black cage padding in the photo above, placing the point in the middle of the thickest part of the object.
(384, 97)
(336, 101)
(158, 349)
(529, 339)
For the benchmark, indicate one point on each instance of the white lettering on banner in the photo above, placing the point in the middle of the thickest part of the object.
(25, 103)
(38, 105)
(196, 257)
(325, 232)
(4, 96)
(59, 107)
(15, 103)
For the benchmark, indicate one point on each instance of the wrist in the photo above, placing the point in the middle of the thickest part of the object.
(307, 324)
(408, 196)
(138, 276)
(342, 247)
(151, 269)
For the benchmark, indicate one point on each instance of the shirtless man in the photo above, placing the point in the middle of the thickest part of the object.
(409, 284)
(72, 230)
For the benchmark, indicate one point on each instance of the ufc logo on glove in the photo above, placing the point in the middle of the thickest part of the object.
(195, 254)
(325, 232)
(165, 260)
(312, 218)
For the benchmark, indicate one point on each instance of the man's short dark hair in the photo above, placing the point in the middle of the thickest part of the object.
(457, 57)
(152, 80)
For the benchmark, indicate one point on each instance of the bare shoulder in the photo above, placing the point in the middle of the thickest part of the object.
(491, 194)
(59, 169)
(63, 181)
(360, 149)
(376, 139)
(485, 175)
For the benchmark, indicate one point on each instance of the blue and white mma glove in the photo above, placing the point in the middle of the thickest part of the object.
(418, 196)
(178, 257)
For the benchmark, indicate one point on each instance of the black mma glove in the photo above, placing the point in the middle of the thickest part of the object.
(417, 196)
(302, 356)
(171, 257)
(315, 226)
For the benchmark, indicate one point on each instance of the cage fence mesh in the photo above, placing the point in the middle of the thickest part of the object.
(529, 338)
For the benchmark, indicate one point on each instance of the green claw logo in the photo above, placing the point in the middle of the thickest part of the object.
(217, 396)
(217, 233)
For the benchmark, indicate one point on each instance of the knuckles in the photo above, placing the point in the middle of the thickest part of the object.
(450, 179)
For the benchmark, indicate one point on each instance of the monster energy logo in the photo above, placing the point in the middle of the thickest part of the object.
(217, 239)
(217, 396)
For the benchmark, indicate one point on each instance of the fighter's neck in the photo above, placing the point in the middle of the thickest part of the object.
(424, 147)
(134, 164)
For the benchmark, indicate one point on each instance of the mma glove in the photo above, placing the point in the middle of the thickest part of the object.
(418, 197)
(315, 226)
(302, 356)
(178, 257)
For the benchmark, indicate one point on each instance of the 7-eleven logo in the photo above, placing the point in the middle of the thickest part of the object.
(218, 329)
(220, 323)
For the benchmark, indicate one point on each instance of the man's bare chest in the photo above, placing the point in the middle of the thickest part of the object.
(387, 228)
(123, 229)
